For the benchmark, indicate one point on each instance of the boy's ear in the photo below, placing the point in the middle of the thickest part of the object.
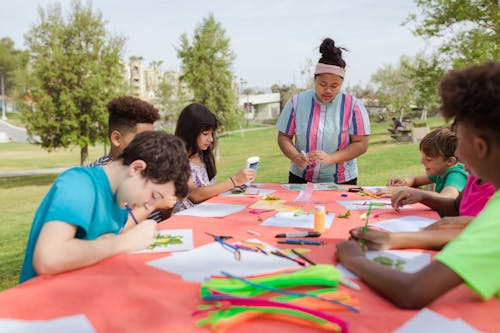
(137, 166)
(115, 138)
(452, 160)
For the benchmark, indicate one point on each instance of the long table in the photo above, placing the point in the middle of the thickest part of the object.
(124, 294)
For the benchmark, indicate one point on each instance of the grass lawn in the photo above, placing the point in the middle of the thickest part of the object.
(22, 195)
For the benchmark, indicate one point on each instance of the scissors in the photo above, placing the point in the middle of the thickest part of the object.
(217, 237)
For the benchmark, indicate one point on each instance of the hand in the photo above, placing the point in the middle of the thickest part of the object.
(397, 182)
(139, 236)
(450, 222)
(244, 176)
(347, 251)
(373, 239)
(405, 196)
(319, 156)
(301, 161)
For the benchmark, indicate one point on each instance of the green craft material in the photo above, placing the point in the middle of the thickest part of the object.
(319, 275)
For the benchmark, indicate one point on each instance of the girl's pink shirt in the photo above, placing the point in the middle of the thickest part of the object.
(475, 196)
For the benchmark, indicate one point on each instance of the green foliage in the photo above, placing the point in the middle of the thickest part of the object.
(206, 67)
(469, 29)
(12, 65)
(75, 71)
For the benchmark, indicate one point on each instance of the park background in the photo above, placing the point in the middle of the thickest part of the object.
(71, 65)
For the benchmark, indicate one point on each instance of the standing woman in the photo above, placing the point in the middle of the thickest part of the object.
(196, 126)
(330, 127)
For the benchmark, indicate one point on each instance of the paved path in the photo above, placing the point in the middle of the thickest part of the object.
(31, 172)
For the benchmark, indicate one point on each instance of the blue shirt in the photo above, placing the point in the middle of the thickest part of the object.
(80, 196)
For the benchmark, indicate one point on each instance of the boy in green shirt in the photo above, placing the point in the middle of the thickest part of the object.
(472, 97)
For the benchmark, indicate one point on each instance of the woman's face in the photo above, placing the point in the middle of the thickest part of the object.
(205, 139)
(327, 87)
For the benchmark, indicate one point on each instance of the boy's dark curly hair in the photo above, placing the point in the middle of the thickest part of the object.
(126, 112)
(165, 157)
(472, 96)
(440, 142)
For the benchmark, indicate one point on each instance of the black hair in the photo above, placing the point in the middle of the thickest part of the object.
(472, 96)
(331, 54)
(125, 112)
(194, 119)
(165, 157)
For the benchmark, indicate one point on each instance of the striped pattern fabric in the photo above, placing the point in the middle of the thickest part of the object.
(326, 127)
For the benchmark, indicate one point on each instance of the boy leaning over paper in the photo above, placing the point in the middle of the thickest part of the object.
(82, 218)
(472, 97)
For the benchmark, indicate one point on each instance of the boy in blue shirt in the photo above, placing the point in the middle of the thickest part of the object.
(472, 97)
(82, 218)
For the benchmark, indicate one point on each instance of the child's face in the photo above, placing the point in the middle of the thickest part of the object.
(465, 150)
(434, 166)
(140, 192)
(205, 139)
(125, 138)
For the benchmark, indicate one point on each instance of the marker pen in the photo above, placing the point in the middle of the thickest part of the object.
(299, 234)
(300, 242)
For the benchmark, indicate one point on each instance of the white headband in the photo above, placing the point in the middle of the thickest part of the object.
(322, 68)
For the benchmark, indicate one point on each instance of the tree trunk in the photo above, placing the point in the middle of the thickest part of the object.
(84, 154)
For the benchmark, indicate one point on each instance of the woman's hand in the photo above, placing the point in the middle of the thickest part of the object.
(373, 239)
(321, 157)
(301, 161)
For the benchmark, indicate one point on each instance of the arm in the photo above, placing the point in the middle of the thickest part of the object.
(57, 250)
(202, 193)
(357, 147)
(409, 291)
(382, 240)
(445, 206)
(451, 222)
(286, 145)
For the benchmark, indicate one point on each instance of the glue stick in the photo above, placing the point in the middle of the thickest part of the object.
(319, 219)
(252, 163)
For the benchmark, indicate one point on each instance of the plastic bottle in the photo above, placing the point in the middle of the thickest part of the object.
(319, 219)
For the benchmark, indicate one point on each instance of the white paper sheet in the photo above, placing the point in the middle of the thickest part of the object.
(404, 224)
(182, 241)
(208, 209)
(73, 324)
(251, 191)
(200, 263)
(411, 261)
(364, 204)
(430, 321)
(289, 220)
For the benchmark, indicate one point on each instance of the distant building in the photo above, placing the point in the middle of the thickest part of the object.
(261, 107)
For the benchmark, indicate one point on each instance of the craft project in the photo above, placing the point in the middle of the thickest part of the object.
(278, 204)
(202, 262)
(363, 204)
(208, 209)
(405, 261)
(171, 240)
(249, 191)
(294, 220)
(404, 224)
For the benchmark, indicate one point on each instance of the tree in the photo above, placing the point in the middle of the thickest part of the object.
(206, 67)
(173, 98)
(12, 64)
(75, 71)
(469, 29)
(285, 91)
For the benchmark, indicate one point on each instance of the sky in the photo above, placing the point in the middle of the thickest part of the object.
(273, 40)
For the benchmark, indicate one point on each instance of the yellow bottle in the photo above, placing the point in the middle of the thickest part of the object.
(319, 219)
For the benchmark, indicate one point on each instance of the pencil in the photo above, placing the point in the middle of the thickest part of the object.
(300, 255)
(131, 214)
